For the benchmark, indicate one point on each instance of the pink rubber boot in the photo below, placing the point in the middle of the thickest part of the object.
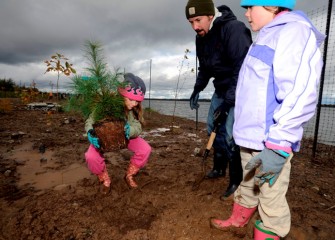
(262, 234)
(129, 177)
(105, 180)
(239, 218)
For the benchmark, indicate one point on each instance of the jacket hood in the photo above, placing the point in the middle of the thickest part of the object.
(297, 16)
(226, 14)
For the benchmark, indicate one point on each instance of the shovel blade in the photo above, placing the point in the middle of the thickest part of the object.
(202, 176)
(198, 181)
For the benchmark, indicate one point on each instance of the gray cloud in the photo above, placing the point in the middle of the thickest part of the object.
(132, 32)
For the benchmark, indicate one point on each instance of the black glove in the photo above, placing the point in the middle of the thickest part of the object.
(221, 113)
(194, 100)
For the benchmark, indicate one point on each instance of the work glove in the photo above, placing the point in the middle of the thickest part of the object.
(269, 162)
(221, 114)
(127, 130)
(194, 100)
(92, 138)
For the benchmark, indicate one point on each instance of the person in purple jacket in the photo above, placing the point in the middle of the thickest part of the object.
(276, 95)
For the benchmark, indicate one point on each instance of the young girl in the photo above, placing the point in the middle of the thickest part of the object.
(276, 95)
(133, 94)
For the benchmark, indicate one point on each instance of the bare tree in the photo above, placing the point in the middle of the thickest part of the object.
(55, 64)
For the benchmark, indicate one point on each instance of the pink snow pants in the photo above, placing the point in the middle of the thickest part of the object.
(141, 149)
(95, 160)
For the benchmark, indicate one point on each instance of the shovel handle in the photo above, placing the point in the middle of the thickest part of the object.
(211, 140)
(197, 183)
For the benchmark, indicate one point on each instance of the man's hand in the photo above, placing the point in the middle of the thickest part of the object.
(127, 130)
(93, 139)
(194, 100)
(269, 163)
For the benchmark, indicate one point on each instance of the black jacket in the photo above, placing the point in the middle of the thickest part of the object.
(221, 52)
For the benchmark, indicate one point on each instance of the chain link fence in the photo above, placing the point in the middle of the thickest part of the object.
(319, 133)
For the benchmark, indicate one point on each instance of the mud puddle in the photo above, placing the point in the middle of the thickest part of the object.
(39, 170)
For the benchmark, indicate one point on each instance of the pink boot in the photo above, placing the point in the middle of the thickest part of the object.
(105, 180)
(131, 172)
(262, 234)
(239, 218)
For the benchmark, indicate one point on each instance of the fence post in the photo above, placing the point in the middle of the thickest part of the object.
(322, 79)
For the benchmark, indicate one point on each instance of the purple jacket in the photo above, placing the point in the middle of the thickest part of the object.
(277, 86)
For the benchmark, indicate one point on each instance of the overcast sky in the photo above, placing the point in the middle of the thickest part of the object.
(132, 33)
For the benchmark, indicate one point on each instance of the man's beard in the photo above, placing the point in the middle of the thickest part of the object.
(200, 33)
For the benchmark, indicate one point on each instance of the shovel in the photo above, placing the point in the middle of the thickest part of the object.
(198, 181)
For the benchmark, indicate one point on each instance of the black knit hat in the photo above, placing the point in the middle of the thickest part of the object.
(196, 8)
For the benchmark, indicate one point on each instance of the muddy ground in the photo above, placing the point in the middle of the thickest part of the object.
(46, 191)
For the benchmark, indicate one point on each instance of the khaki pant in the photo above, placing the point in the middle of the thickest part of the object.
(271, 201)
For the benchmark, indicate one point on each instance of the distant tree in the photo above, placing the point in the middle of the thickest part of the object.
(7, 85)
(55, 64)
(29, 94)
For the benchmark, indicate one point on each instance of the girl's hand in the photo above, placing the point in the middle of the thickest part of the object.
(93, 139)
(269, 164)
(127, 130)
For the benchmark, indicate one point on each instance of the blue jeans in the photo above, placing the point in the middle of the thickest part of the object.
(224, 141)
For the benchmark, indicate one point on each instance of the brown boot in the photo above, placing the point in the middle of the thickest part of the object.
(131, 172)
